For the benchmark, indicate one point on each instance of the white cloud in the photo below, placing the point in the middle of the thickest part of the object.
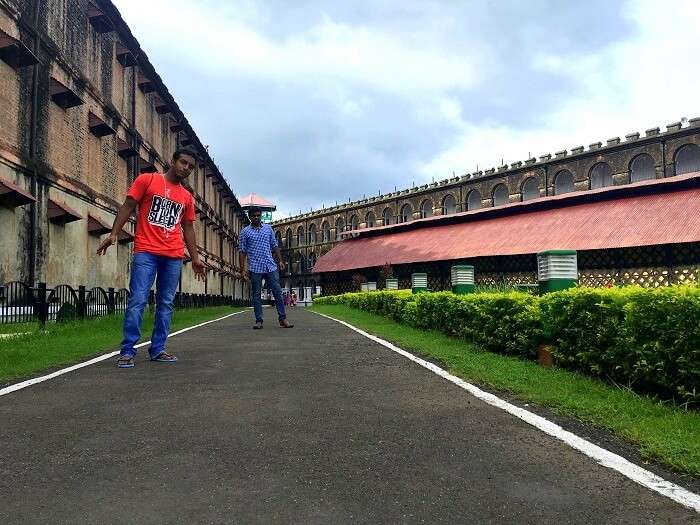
(362, 100)
(647, 81)
(328, 51)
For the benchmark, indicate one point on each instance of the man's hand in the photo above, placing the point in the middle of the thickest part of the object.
(245, 276)
(282, 266)
(109, 241)
(200, 272)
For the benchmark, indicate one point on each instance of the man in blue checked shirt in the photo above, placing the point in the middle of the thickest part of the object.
(257, 245)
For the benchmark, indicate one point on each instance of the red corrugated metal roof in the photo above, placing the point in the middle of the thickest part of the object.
(256, 200)
(671, 215)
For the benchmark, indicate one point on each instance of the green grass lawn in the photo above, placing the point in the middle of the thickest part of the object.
(664, 433)
(18, 328)
(62, 344)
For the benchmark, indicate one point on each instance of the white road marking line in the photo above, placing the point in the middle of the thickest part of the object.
(36, 380)
(602, 456)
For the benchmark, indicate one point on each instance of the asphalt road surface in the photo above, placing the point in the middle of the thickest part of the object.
(316, 424)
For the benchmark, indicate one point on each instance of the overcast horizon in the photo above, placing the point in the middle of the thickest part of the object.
(315, 102)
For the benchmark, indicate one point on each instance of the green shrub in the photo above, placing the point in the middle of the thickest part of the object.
(507, 323)
(663, 332)
(647, 339)
(585, 325)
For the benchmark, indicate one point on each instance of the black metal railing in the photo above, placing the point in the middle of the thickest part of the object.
(21, 303)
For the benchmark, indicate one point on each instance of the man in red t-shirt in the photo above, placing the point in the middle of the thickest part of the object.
(165, 216)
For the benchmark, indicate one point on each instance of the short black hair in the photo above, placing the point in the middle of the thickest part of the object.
(184, 151)
(253, 210)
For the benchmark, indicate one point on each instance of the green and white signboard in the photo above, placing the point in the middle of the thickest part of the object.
(557, 270)
(419, 282)
(462, 278)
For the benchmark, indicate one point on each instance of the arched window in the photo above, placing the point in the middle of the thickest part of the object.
(278, 235)
(601, 176)
(312, 234)
(563, 182)
(474, 200)
(288, 239)
(326, 231)
(500, 195)
(370, 220)
(426, 209)
(339, 228)
(449, 205)
(531, 189)
(300, 264)
(300, 285)
(354, 223)
(642, 167)
(312, 260)
(688, 159)
(388, 217)
(406, 213)
(301, 236)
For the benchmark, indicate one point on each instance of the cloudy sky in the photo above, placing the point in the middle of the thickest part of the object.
(308, 102)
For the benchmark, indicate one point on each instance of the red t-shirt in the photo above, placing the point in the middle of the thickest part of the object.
(162, 205)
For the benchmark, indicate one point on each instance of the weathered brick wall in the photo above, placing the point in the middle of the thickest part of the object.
(70, 165)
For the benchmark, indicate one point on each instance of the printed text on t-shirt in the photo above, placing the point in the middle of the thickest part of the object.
(164, 212)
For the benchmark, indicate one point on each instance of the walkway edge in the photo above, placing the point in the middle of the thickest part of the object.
(36, 380)
(600, 455)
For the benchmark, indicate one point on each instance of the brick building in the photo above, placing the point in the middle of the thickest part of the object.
(654, 155)
(82, 113)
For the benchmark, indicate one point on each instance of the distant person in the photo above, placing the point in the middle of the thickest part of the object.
(258, 246)
(294, 298)
(165, 215)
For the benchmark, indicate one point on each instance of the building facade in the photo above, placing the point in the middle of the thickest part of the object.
(82, 113)
(655, 155)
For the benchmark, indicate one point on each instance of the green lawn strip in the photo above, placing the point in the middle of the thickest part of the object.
(18, 328)
(72, 342)
(665, 433)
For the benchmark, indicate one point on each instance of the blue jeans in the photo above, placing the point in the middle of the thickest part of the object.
(144, 268)
(273, 282)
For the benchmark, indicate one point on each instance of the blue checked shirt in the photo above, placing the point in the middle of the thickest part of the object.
(258, 244)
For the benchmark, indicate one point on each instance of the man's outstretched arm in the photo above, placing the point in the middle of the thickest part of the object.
(243, 263)
(278, 257)
(191, 243)
(120, 220)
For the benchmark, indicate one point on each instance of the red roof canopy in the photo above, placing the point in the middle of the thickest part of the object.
(256, 200)
(12, 195)
(654, 212)
(61, 213)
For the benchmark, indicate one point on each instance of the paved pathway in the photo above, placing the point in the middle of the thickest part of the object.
(311, 425)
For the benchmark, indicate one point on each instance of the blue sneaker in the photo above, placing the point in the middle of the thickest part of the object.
(125, 362)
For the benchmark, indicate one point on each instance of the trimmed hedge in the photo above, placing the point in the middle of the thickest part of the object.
(647, 339)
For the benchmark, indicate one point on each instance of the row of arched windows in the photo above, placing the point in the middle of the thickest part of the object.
(301, 264)
(642, 167)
